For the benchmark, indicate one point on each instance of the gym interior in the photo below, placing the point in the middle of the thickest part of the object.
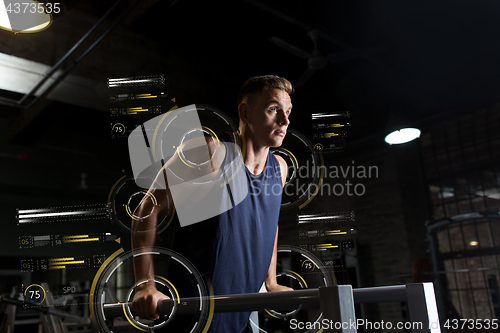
(358, 209)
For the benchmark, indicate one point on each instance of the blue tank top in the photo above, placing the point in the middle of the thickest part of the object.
(235, 248)
(245, 240)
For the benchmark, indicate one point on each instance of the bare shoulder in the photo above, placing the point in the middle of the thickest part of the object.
(283, 168)
(217, 150)
(196, 157)
(280, 159)
(203, 150)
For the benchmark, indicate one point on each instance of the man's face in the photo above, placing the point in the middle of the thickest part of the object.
(268, 117)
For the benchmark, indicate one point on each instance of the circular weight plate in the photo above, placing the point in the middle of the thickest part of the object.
(297, 269)
(304, 170)
(125, 196)
(175, 277)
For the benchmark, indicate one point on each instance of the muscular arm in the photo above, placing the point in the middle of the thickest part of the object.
(144, 229)
(271, 283)
(144, 238)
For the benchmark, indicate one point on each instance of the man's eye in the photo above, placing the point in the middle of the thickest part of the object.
(273, 108)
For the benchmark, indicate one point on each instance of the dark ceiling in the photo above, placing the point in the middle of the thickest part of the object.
(433, 57)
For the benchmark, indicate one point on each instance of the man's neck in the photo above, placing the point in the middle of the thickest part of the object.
(254, 156)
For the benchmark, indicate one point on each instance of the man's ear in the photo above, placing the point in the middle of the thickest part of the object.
(243, 109)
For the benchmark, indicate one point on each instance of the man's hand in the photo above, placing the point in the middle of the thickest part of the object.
(277, 287)
(145, 302)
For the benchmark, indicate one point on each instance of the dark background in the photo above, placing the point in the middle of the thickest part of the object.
(432, 61)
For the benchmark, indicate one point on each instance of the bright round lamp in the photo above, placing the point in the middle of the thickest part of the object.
(402, 136)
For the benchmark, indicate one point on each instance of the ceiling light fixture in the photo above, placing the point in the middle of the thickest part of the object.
(27, 17)
(400, 130)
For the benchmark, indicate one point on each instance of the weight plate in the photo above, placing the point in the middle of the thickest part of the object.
(175, 276)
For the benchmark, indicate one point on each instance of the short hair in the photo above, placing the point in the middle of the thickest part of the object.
(263, 82)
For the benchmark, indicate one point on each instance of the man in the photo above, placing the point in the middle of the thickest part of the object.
(238, 249)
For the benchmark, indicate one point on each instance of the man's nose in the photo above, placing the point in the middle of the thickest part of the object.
(284, 119)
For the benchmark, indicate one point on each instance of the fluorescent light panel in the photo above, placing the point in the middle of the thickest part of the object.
(21, 75)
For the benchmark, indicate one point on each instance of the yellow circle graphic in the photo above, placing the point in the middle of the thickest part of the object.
(36, 285)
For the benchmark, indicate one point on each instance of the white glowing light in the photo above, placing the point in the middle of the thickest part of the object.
(33, 14)
(21, 75)
(402, 136)
(4, 18)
